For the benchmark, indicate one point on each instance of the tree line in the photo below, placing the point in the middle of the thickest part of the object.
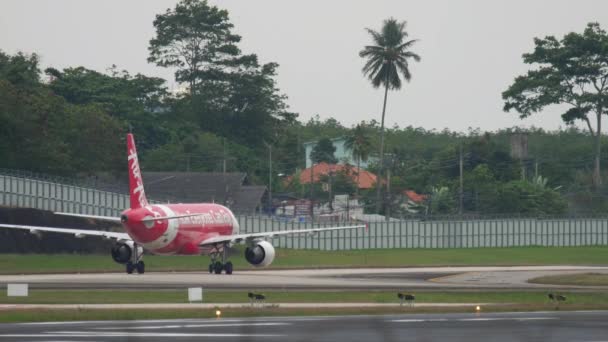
(72, 122)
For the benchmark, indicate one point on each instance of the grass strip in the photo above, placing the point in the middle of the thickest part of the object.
(38, 296)
(292, 258)
(581, 279)
(26, 315)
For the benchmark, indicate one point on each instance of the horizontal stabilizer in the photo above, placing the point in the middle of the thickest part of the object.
(95, 217)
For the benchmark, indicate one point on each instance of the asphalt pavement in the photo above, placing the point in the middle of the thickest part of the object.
(444, 278)
(539, 326)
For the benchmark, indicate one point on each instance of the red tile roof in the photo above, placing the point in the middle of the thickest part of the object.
(366, 178)
(414, 196)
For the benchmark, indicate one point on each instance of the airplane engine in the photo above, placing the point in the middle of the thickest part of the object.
(122, 251)
(260, 255)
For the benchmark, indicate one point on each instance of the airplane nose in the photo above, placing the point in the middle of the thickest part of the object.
(124, 218)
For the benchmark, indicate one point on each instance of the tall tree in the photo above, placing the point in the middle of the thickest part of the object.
(387, 60)
(359, 143)
(572, 71)
(196, 38)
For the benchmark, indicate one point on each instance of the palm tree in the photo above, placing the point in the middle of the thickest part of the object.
(387, 61)
(360, 144)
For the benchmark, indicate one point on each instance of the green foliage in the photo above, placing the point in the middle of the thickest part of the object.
(529, 199)
(572, 72)
(441, 201)
(119, 93)
(481, 189)
(385, 61)
(21, 70)
(196, 38)
(323, 152)
(359, 143)
(389, 57)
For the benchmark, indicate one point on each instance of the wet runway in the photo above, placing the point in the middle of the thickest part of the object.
(541, 326)
(429, 278)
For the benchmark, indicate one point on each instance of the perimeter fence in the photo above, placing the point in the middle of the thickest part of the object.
(408, 233)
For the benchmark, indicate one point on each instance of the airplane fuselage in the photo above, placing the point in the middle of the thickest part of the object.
(181, 235)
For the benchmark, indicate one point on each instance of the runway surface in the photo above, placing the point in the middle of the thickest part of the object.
(541, 326)
(440, 278)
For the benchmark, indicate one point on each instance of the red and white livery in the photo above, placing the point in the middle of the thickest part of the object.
(185, 229)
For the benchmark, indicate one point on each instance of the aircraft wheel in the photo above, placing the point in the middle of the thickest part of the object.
(130, 267)
(141, 267)
(228, 267)
(218, 267)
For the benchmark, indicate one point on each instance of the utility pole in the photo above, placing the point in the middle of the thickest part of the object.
(331, 186)
(312, 169)
(461, 192)
(387, 204)
(348, 207)
(224, 157)
(270, 178)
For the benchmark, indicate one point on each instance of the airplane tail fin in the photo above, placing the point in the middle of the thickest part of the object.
(136, 183)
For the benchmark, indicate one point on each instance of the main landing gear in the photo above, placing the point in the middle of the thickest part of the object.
(139, 266)
(217, 266)
(136, 263)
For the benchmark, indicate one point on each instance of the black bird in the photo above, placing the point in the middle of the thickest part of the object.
(409, 298)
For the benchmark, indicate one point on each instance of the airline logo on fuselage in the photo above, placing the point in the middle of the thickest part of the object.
(219, 217)
(139, 189)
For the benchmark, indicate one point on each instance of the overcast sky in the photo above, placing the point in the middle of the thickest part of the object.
(471, 50)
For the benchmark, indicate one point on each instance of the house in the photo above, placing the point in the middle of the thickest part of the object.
(412, 201)
(366, 179)
(342, 154)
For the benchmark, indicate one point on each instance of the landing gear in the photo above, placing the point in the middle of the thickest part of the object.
(140, 267)
(228, 267)
(218, 266)
(130, 267)
(136, 263)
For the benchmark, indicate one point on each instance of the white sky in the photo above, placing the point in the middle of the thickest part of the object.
(471, 50)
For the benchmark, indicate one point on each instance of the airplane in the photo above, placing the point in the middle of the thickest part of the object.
(176, 229)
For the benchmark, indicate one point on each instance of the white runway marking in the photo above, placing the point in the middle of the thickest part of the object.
(130, 334)
(475, 319)
(208, 325)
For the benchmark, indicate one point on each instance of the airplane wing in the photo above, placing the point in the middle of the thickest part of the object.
(96, 217)
(269, 235)
(117, 219)
(76, 232)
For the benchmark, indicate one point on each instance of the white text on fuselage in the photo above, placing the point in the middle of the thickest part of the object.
(139, 189)
(220, 217)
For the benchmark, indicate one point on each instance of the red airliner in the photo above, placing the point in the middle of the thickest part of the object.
(183, 229)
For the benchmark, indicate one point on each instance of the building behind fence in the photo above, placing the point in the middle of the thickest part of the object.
(505, 232)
